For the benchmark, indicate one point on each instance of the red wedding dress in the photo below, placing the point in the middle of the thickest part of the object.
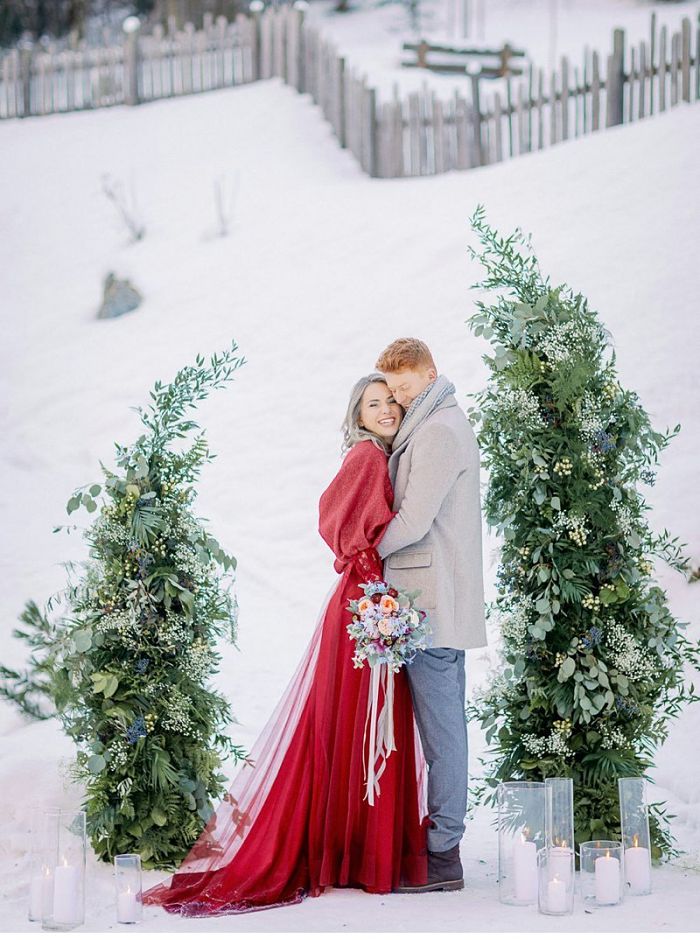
(297, 821)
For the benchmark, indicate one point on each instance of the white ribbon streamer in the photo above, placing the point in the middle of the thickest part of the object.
(381, 729)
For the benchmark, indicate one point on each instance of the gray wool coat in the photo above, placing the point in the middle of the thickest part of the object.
(433, 543)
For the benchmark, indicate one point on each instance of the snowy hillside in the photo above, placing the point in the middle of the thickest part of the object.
(322, 269)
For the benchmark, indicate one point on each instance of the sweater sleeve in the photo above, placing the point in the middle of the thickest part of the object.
(355, 509)
(436, 462)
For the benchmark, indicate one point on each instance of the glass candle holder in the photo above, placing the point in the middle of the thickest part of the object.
(39, 859)
(556, 880)
(559, 812)
(128, 887)
(63, 899)
(602, 872)
(634, 821)
(520, 836)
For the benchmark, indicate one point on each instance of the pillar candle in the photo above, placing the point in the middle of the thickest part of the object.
(556, 895)
(559, 863)
(607, 880)
(637, 869)
(525, 870)
(65, 894)
(127, 907)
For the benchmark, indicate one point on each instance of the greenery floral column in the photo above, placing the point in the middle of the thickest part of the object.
(593, 661)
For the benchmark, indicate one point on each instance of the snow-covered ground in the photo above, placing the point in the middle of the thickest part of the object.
(545, 30)
(322, 269)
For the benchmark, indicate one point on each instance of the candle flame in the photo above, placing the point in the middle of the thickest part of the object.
(635, 841)
(524, 835)
(607, 854)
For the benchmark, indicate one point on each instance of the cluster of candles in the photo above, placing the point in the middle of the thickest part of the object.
(58, 893)
(607, 872)
(57, 883)
(536, 847)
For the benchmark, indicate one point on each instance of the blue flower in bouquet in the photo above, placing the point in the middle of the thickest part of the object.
(136, 730)
(142, 664)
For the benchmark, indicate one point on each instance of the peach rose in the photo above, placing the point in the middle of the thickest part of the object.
(388, 605)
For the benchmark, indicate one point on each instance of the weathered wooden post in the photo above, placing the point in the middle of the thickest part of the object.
(615, 80)
(256, 9)
(26, 50)
(342, 110)
(422, 53)
(131, 27)
(300, 7)
(473, 74)
(372, 163)
(685, 59)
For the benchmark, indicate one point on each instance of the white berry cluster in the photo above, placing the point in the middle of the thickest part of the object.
(196, 566)
(564, 466)
(524, 406)
(574, 525)
(624, 517)
(121, 621)
(107, 531)
(556, 743)
(610, 388)
(118, 755)
(628, 655)
(173, 632)
(514, 625)
(197, 660)
(598, 479)
(177, 713)
(188, 528)
(614, 738)
(591, 603)
(565, 341)
(590, 417)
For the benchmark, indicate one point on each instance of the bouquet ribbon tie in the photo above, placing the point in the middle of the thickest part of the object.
(381, 729)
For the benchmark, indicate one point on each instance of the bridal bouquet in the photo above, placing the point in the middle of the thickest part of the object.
(386, 626)
(388, 630)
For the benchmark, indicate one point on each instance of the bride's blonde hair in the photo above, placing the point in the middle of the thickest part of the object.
(352, 431)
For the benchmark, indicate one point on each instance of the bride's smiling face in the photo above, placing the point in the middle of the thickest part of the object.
(379, 412)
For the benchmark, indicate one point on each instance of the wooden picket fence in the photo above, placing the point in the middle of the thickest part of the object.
(409, 134)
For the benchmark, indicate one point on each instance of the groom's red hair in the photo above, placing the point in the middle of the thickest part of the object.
(405, 354)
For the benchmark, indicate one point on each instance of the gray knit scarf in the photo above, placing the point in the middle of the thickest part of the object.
(420, 409)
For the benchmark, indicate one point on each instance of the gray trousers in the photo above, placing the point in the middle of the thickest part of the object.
(437, 681)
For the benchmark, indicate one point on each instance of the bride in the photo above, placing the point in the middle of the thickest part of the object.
(297, 820)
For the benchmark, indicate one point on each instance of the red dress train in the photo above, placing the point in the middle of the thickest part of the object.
(296, 821)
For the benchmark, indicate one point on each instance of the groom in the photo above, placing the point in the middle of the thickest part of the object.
(433, 544)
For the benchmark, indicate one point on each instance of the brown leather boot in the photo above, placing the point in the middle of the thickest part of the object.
(444, 873)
